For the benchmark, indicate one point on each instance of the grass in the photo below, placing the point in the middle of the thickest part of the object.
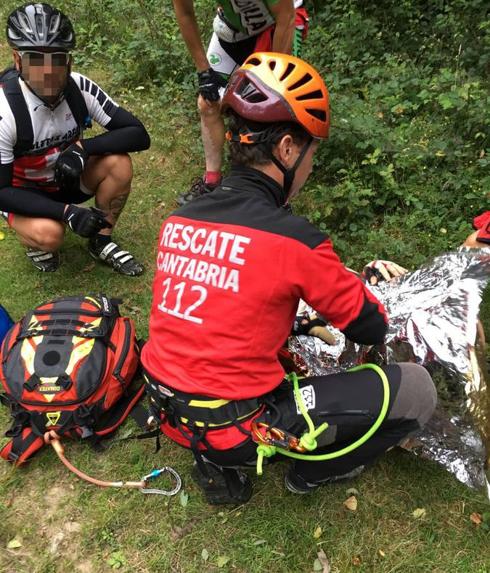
(65, 525)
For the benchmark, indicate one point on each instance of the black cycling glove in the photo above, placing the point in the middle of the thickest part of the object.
(303, 323)
(69, 166)
(209, 84)
(85, 222)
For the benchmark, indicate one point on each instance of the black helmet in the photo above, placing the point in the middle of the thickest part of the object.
(39, 26)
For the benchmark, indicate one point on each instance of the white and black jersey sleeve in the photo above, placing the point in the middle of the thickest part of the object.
(100, 106)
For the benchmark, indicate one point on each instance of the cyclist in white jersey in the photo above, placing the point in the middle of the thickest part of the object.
(47, 165)
(240, 28)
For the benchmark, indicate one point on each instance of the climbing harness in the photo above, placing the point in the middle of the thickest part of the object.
(273, 440)
(53, 439)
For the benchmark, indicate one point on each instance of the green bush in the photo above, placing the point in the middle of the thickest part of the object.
(406, 166)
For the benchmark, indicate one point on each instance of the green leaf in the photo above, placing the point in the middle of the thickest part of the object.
(184, 498)
(445, 101)
(222, 561)
(14, 543)
(116, 560)
(317, 565)
(419, 513)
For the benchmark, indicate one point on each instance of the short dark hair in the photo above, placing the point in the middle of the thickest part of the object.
(260, 153)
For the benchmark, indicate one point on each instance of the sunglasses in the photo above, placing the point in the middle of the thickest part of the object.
(46, 59)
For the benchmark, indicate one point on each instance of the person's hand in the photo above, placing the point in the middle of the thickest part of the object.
(85, 222)
(69, 167)
(209, 84)
(377, 271)
(312, 325)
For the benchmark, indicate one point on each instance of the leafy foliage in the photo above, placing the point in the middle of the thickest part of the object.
(406, 166)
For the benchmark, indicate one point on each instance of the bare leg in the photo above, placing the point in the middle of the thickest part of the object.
(110, 178)
(212, 132)
(43, 234)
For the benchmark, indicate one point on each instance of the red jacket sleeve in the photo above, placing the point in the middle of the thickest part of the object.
(339, 295)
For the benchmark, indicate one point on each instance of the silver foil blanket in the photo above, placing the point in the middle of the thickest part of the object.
(433, 314)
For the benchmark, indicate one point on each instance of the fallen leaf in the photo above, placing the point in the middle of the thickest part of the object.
(14, 543)
(56, 541)
(351, 503)
(317, 566)
(184, 498)
(419, 513)
(73, 526)
(317, 533)
(351, 491)
(476, 518)
(222, 561)
(2, 235)
(381, 553)
(260, 541)
(204, 554)
(356, 561)
(323, 560)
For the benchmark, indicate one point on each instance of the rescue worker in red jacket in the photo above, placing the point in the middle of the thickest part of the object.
(231, 268)
(481, 237)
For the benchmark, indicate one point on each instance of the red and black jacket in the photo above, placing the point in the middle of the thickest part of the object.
(231, 268)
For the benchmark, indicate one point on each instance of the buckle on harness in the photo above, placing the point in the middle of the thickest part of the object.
(262, 433)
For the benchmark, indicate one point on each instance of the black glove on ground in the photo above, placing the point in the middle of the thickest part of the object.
(209, 84)
(69, 166)
(85, 222)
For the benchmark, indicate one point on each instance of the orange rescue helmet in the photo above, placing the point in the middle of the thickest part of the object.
(271, 88)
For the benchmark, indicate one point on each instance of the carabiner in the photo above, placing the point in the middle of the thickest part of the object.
(156, 474)
(262, 433)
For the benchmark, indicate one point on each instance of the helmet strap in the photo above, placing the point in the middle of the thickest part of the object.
(290, 173)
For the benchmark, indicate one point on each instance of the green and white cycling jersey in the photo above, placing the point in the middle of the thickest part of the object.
(237, 20)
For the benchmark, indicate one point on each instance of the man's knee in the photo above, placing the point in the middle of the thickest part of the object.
(416, 398)
(208, 109)
(120, 166)
(117, 166)
(47, 235)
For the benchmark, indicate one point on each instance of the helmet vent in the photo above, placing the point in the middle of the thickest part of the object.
(301, 82)
(317, 94)
(25, 23)
(289, 69)
(53, 25)
(39, 25)
(250, 93)
(318, 113)
(254, 61)
(272, 64)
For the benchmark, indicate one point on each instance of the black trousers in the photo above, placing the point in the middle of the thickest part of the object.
(349, 402)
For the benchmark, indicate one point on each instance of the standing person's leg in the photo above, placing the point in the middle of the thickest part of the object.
(350, 404)
(224, 58)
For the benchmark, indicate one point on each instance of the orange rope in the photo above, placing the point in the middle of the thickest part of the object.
(53, 439)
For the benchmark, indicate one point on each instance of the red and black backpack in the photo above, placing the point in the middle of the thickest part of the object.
(68, 366)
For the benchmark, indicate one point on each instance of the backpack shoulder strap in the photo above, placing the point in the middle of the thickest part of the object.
(22, 447)
(77, 104)
(9, 81)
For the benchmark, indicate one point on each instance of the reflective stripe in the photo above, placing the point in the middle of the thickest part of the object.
(120, 254)
(208, 403)
(107, 250)
(39, 255)
(125, 259)
(45, 257)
